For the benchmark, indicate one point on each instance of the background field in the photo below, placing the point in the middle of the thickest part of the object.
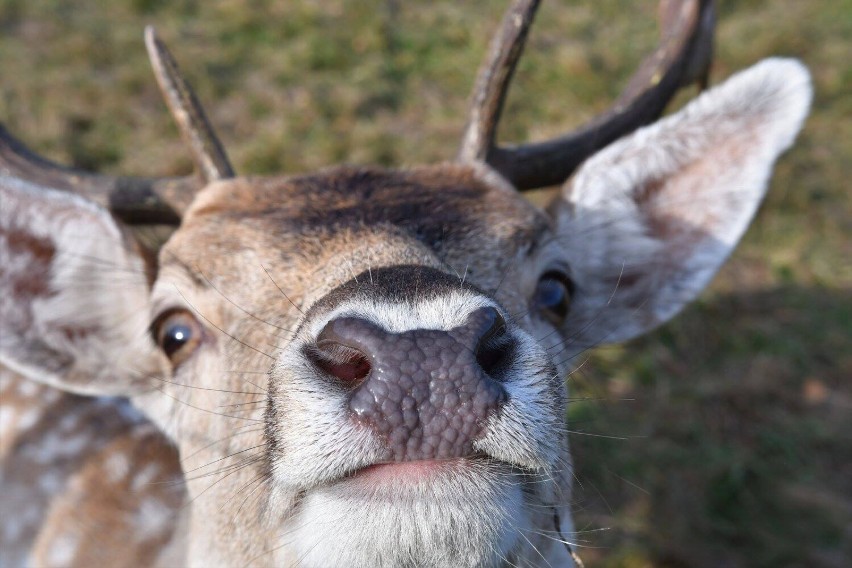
(724, 439)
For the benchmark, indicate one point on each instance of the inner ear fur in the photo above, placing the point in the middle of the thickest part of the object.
(74, 293)
(647, 222)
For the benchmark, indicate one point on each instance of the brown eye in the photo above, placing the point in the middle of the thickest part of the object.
(178, 334)
(553, 296)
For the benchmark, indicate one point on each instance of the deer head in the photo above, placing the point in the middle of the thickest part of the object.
(366, 367)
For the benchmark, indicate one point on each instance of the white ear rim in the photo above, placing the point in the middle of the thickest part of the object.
(777, 87)
(762, 108)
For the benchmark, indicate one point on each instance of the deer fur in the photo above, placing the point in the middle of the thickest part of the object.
(243, 454)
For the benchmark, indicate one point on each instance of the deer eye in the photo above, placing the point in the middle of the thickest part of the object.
(178, 334)
(553, 296)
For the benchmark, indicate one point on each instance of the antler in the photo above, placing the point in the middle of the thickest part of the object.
(207, 151)
(683, 56)
(136, 200)
(493, 80)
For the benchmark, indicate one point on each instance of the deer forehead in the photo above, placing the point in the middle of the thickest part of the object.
(312, 233)
(437, 204)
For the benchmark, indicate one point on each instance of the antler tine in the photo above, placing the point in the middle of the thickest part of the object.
(683, 56)
(207, 152)
(492, 82)
(135, 200)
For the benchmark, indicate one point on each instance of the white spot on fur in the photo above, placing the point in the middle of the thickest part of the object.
(62, 550)
(8, 416)
(50, 482)
(117, 467)
(145, 476)
(28, 419)
(27, 389)
(152, 518)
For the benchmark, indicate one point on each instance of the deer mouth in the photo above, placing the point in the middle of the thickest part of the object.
(420, 471)
(456, 512)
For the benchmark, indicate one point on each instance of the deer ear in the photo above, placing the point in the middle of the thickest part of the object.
(647, 222)
(73, 294)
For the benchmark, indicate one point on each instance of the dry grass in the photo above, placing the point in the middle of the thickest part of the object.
(737, 446)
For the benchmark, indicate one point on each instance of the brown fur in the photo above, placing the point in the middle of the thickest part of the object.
(54, 447)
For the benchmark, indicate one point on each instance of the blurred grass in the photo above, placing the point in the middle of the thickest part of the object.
(736, 418)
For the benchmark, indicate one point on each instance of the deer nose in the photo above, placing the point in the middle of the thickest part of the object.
(427, 393)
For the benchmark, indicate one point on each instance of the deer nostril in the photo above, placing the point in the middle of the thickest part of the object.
(494, 346)
(344, 363)
(346, 349)
(493, 358)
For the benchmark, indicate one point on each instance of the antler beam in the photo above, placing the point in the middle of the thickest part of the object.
(683, 56)
(134, 200)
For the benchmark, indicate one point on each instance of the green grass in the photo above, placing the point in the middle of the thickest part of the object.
(735, 421)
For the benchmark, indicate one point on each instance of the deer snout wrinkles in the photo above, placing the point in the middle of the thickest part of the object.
(428, 392)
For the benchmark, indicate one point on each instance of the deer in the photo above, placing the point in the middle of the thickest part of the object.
(359, 366)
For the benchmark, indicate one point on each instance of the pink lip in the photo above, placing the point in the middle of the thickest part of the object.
(421, 470)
